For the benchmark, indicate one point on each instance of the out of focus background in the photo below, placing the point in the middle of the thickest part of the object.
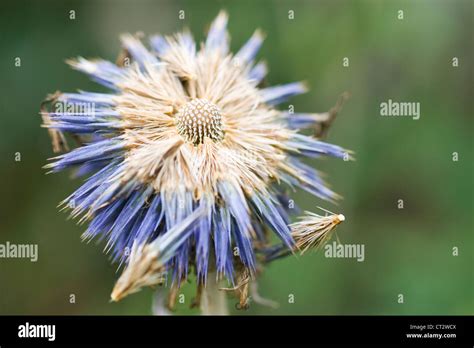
(423, 251)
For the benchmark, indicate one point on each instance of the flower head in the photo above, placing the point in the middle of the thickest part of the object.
(186, 130)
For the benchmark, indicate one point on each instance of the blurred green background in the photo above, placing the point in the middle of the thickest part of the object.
(407, 251)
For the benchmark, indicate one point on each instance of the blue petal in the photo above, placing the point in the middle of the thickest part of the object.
(123, 244)
(89, 167)
(101, 71)
(159, 44)
(272, 216)
(138, 52)
(177, 206)
(90, 185)
(150, 222)
(248, 51)
(237, 205)
(222, 239)
(95, 151)
(217, 38)
(314, 148)
(244, 245)
(77, 117)
(278, 94)
(310, 180)
(203, 235)
(258, 72)
(104, 219)
(187, 41)
(301, 120)
(169, 242)
(97, 127)
(101, 99)
(124, 221)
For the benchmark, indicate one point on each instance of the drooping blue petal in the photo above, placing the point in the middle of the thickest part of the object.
(271, 215)
(126, 218)
(124, 243)
(229, 269)
(84, 117)
(177, 206)
(89, 128)
(241, 226)
(85, 202)
(182, 254)
(180, 261)
(203, 236)
(101, 71)
(278, 94)
(95, 151)
(244, 245)
(100, 99)
(127, 188)
(310, 180)
(89, 167)
(222, 239)
(169, 242)
(237, 205)
(105, 193)
(302, 120)
(91, 183)
(94, 193)
(308, 171)
(151, 221)
(311, 147)
(104, 219)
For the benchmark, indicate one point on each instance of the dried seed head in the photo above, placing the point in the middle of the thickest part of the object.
(313, 231)
(197, 119)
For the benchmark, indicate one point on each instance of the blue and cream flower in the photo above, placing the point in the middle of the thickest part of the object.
(188, 157)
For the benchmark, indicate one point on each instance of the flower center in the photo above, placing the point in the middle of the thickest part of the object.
(198, 119)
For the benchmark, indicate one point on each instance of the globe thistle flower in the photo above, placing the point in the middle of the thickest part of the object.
(188, 158)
